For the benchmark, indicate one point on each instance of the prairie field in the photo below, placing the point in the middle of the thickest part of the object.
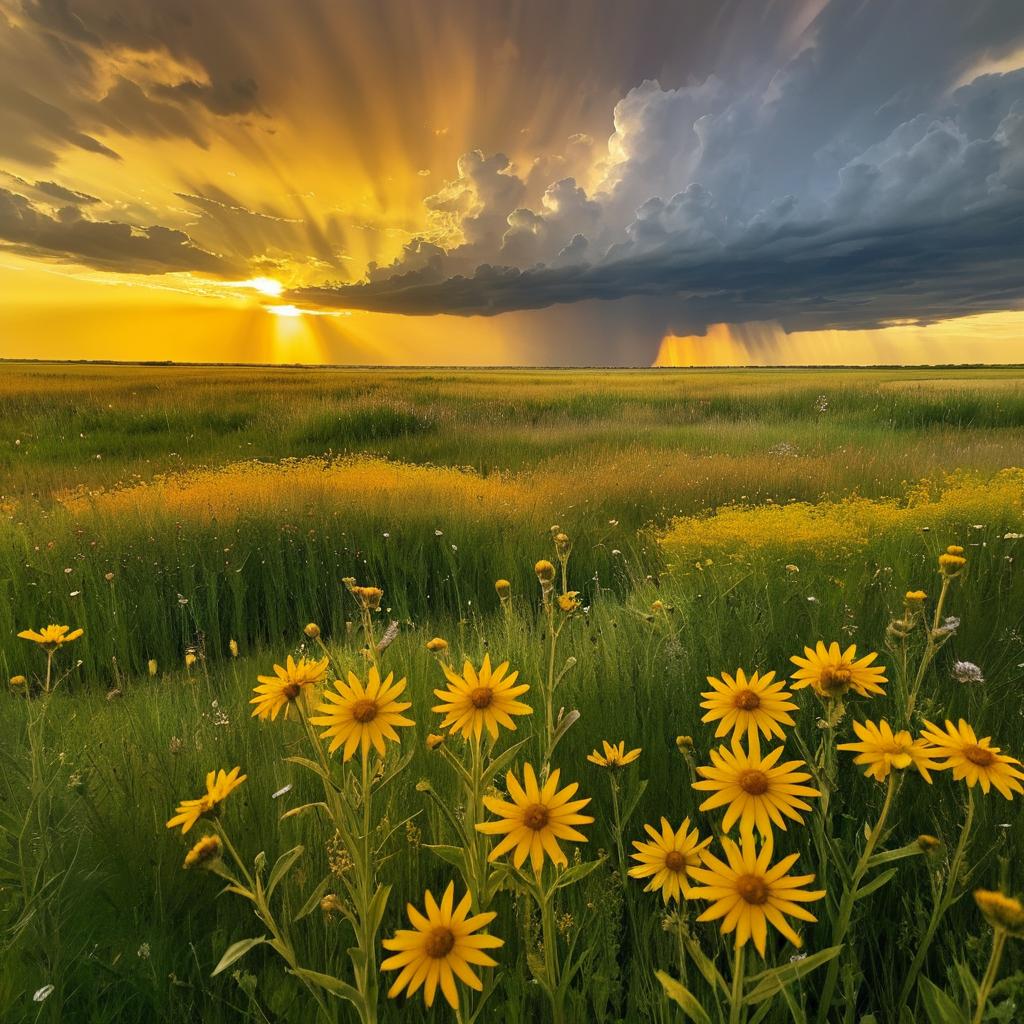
(650, 529)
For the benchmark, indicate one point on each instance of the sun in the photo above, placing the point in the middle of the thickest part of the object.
(263, 285)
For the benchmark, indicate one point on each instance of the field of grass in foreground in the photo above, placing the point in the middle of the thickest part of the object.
(684, 568)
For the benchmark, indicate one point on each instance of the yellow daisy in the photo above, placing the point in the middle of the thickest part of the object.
(286, 685)
(747, 705)
(882, 750)
(535, 820)
(973, 760)
(439, 948)
(478, 699)
(756, 791)
(749, 894)
(832, 671)
(668, 858)
(219, 785)
(51, 636)
(359, 715)
(615, 755)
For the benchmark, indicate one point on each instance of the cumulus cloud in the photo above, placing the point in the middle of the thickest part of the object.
(67, 234)
(846, 187)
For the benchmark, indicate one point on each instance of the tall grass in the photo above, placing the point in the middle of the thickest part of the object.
(133, 937)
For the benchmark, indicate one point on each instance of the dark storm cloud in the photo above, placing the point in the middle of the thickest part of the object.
(846, 187)
(71, 73)
(105, 245)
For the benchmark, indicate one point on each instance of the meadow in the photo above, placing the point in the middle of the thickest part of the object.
(194, 522)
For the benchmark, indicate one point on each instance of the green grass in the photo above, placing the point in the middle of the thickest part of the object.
(125, 935)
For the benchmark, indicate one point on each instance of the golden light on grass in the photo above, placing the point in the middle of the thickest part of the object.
(444, 945)
(535, 820)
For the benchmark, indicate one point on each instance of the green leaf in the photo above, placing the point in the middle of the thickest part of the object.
(375, 911)
(939, 1007)
(235, 952)
(683, 998)
(633, 800)
(284, 862)
(875, 884)
(310, 766)
(396, 771)
(504, 759)
(576, 873)
(769, 983)
(454, 855)
(333, 985)
(704, 964)
(888, 856)
(314, 899)
(565, 723)
(295, 811)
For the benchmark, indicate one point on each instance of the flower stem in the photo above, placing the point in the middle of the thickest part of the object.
(736, 996)
(842, 923)
(991, 972)
(946, 898)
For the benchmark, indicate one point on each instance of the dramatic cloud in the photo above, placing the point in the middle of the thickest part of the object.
(106, 245)
(815, 163)
(791, 199)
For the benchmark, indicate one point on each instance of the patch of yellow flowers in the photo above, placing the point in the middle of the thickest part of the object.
(514, 839)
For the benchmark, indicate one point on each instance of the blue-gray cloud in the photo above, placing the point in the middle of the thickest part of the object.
(852, 185)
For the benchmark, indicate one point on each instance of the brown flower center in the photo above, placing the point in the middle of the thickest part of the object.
(440, 942)
(979, 756)
(753, 781)
(536, 817)
(835, 679)
(291, 691)
(752, 889)
(747, 700)
(675, 861)
(364, 710)
(481, 697)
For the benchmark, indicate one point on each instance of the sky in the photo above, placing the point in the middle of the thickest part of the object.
(496, 182)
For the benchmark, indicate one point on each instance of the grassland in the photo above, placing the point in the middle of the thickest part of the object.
(167, 510)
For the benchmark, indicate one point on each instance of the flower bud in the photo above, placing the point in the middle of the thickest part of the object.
(330, 904)
(504, 589)
(1004, 913)
(437, 645)
(684, 744)
(18, 680)
(434, 741)
(152, 666)
(312, 630)
(233, 648)
(545, 571)
(929, 844)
